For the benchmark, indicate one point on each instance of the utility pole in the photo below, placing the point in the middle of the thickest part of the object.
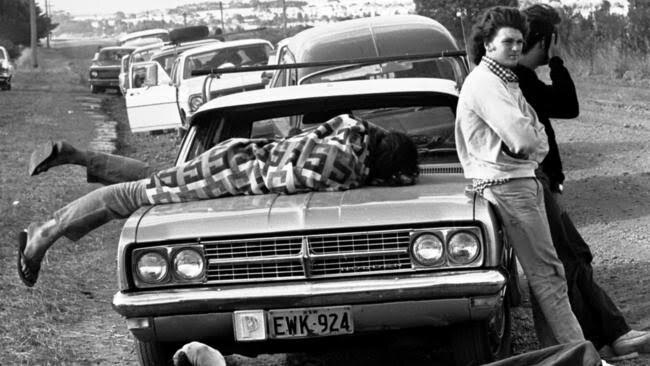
(284, 17)
(223, 26)
(32, 28)
(47, 14)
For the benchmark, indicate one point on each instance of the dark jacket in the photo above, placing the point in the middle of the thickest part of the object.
(558, 100)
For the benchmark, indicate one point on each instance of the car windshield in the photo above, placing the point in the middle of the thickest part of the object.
(442, 68)
(113, 56)
(428, 118)
(246, 55)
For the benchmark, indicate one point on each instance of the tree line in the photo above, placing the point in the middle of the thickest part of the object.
(606, 41)
(15, 24)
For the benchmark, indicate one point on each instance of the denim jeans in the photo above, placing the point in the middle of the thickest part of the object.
(125, 178)
(110, 169)
(600, 319)
(520, 203)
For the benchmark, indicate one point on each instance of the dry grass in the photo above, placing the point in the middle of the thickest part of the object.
(611, 63)
(67, 315)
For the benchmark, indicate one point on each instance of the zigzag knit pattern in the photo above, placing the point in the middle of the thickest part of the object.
(331, 157)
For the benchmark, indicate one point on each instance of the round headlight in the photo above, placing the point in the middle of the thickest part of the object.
(188, 264)
(463, 248)
(152, 267)
(427, 249)
(195, 102)
(94, 74)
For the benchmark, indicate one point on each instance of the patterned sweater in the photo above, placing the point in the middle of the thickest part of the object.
(332, 157)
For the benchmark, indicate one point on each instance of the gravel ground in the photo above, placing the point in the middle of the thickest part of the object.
(67, 317)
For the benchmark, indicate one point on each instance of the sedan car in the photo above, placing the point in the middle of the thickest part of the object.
(273, 272)
(6, 69)
(105, 68)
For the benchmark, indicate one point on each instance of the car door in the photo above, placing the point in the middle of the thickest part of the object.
(151, 101)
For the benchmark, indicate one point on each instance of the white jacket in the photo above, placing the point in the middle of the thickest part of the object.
(492, 112)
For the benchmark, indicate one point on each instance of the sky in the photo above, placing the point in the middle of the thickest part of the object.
(86, 7)
(90, 7)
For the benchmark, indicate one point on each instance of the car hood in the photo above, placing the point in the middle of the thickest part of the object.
(434, 199)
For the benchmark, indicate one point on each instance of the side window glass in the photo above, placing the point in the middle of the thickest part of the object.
(145, 75)
(174, 74)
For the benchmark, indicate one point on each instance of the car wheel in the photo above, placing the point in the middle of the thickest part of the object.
(94, 89)
(155, 353)
(479, 342)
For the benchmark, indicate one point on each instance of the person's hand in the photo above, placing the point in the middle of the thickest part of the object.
(554, 49)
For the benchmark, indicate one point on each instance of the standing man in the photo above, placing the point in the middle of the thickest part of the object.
(600, 319)
(500, 144)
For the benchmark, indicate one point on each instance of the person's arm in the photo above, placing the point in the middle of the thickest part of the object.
(557, 100)
(521, 132)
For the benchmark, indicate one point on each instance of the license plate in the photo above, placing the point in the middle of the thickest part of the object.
(311, 322)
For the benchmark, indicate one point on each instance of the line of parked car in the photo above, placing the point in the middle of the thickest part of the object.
(6, 69)
(321, 270)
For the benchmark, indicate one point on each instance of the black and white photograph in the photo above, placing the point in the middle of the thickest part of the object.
(325, 182)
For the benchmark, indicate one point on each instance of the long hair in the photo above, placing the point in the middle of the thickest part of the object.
(489, 23)
(542, 22)
(393, 158)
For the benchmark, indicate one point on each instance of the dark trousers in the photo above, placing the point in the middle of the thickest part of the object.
(600, 319)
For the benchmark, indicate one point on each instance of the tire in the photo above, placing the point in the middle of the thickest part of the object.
(155, 353)
(479, 342)
(94, 89)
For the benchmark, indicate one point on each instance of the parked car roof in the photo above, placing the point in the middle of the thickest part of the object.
(370, 37)
(144, 34)
(227, 44)
(383, 36)
(342, 88)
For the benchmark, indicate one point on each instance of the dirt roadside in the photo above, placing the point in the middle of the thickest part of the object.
(67, 317)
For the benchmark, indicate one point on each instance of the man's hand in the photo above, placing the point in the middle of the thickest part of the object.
(554, 48)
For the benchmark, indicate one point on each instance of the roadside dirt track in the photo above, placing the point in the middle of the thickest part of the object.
(67, 317)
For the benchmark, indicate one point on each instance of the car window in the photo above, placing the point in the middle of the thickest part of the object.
(166, 61)
(436, 68)
(114, 56)
(2, 55)
(248, 55)
(428, 121)
(174, 73)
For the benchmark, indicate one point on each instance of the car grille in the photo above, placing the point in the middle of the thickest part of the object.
(107, 73)
(311, 256)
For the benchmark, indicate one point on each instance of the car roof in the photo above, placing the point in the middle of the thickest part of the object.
(147, 47)
(226, 44)
(335, 89)
(115, 48)
(142, 33)
(180, 47)
(371, 37)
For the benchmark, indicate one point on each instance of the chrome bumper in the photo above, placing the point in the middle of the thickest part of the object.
(376, 303)
(104, 82)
